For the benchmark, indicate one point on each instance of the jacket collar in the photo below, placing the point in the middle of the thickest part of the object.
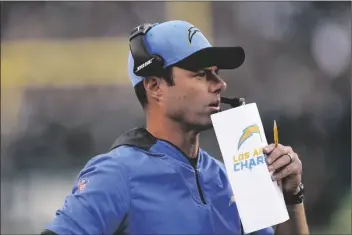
(141, 138)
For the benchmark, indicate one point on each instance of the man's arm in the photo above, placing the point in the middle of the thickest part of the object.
(297, 224)
(99, 200)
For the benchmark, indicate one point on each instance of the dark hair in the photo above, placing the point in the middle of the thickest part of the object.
(140, 91)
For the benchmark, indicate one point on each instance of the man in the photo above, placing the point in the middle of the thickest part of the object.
(157, 180)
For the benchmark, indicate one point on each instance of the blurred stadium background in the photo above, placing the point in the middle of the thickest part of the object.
(65, 94)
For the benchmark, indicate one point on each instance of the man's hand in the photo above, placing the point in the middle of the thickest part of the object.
(287, 169)
(286, 165)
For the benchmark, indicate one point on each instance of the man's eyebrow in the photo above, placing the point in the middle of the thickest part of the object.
(204, 69)
(209, 70)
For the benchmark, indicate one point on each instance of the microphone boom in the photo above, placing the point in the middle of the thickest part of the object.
(233, 102)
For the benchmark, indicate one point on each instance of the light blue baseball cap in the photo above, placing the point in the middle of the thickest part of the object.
(180, 43)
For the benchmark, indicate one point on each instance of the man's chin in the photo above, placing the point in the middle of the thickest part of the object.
(205, 126)
(202, 124)
(208, 123)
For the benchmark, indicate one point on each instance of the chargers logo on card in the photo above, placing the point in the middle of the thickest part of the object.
(248, 160)
(248, 132)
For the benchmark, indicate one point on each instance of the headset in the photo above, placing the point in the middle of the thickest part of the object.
(146, 64)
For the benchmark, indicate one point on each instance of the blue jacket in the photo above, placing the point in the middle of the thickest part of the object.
(146, 185)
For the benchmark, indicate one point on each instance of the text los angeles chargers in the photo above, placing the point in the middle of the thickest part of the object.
(248, 160)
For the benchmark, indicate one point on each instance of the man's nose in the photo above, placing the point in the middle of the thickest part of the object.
(223, 85)
(218, 85)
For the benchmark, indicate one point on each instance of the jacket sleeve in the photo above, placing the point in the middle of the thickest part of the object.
(99, 200)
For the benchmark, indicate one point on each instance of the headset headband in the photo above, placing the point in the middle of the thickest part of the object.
(145, 64)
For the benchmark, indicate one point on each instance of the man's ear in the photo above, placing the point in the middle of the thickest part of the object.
(152, 87)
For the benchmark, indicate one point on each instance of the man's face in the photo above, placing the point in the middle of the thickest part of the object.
(194, 97)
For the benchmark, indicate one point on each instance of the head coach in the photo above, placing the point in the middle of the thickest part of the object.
(157, 180)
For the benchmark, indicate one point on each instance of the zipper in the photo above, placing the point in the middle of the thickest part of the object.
(195, 170)
(200, 192)
(199, 188)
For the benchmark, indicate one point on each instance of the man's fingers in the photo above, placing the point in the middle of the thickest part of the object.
(295, 168)
(269, 148)
(280, 162)
(278, 152)
(284, 172)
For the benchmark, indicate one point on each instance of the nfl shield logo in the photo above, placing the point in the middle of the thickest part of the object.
(82, 184)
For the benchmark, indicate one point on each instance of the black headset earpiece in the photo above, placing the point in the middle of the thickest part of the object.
(145, 64)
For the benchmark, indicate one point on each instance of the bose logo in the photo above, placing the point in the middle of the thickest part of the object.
(145, 64)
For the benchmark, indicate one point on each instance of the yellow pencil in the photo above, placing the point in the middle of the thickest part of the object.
(276, 135)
